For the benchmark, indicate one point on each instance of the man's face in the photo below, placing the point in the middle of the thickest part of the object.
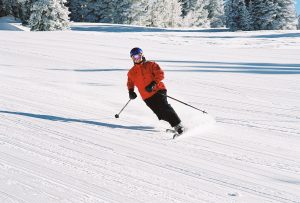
(138, 58)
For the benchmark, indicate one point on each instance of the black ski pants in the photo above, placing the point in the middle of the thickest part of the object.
(164, 111)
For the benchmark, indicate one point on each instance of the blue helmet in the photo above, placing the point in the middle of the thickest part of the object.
(136, 51)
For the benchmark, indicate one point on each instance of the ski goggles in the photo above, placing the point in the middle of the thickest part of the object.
(136, 57)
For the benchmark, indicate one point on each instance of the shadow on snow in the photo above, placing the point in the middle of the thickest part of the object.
(230, 67)
(212, 67)
(62, 119)
(92, 70)
(278, 35)
(131, 28)
(270, 36)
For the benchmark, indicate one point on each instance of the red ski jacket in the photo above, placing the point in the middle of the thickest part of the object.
(141, 75)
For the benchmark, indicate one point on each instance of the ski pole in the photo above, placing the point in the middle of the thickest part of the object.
(184, 103)
(117, 115)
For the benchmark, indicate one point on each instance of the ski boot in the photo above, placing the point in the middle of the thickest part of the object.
(179, 129)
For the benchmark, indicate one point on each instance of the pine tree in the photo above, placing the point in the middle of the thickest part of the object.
(93, 10)
(104, 10)
(165, 13)
(120, 11)
(174, 18)
(8, 6)
(263, 13)
(25, 6)
(186, 6)
(274, 14)
(249, 6)
(156, 13)
(12, 7)
(2, 9)
(286, 17)
(140, 11)
(76, 8)
(196, 14)
(49, 15)
(299, 22)
(247, 2)
(237, 15)
(216, 13)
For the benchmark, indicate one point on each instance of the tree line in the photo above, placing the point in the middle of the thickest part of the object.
(41, 15)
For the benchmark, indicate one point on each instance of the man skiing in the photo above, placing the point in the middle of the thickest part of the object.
(147, 76)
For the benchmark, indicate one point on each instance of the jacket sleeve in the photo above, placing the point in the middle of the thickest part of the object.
(158, 73)
(130, 83)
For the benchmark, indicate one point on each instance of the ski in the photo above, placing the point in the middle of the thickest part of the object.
(176, 135)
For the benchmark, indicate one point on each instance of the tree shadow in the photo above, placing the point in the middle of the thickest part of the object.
(9, 27)
(91, 70)
(132, 28)
(294, 182)
(98, 27)
(7, 23)
(101, 70)
(212, 67)
(235, 36)
(234, 63)
(283, 35)
(230, 67)
(90, 122)
(237, 71)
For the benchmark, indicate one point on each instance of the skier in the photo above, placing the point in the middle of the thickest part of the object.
(147, 76)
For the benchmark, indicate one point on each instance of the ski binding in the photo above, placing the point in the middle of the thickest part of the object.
(175, 133)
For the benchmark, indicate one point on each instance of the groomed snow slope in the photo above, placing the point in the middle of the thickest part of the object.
(60, 142)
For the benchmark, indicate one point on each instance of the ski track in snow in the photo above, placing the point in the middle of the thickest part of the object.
(60, 142)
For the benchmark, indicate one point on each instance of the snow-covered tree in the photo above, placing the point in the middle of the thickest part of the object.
(165, 13)
(274, 14)
(299, 22)
(215, 10)
(25, 12)
(263, 13)
(121, 11)
(157, 13)
(237, 15)
(186, 6)
(49, 15)
(195, 13)
(286, 16)
(138, 10)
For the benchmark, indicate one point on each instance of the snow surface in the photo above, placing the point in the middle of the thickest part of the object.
(60, 142)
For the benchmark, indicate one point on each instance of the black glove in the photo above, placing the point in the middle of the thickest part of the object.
(150, 87)
(132, 94)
